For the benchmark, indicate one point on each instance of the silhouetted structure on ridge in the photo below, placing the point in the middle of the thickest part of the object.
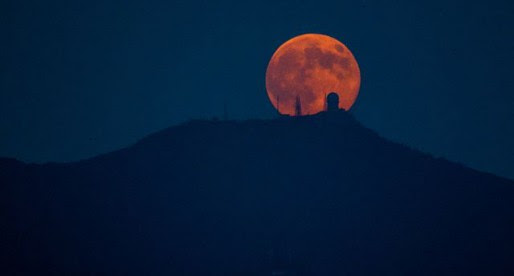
(298, 107)
(332, 102)
(278, 105)
(209, 193)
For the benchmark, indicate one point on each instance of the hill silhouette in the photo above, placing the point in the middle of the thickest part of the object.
(315, 195)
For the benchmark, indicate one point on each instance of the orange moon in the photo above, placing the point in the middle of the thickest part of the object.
(309, 67)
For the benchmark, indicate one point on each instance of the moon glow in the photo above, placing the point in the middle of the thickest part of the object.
(309, 67)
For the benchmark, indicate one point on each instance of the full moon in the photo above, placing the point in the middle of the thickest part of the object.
(308, 67)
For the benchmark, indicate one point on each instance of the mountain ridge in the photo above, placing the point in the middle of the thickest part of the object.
(300, 195)
(4, 161)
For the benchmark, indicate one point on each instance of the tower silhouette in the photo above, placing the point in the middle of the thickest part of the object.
(298, 107)
(278, 105)
(332, 102)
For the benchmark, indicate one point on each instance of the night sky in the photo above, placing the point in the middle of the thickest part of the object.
(81, 78)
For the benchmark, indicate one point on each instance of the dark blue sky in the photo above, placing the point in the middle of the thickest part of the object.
(79, 78)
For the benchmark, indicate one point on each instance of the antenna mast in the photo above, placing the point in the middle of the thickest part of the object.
(298, 106)
(278, 105)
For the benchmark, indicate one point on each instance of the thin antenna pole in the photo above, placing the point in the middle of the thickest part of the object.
(298, 106)
(278, 104)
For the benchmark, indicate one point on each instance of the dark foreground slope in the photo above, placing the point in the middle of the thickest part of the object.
(318, 195)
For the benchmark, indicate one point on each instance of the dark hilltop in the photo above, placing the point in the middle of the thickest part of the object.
(311, 195)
